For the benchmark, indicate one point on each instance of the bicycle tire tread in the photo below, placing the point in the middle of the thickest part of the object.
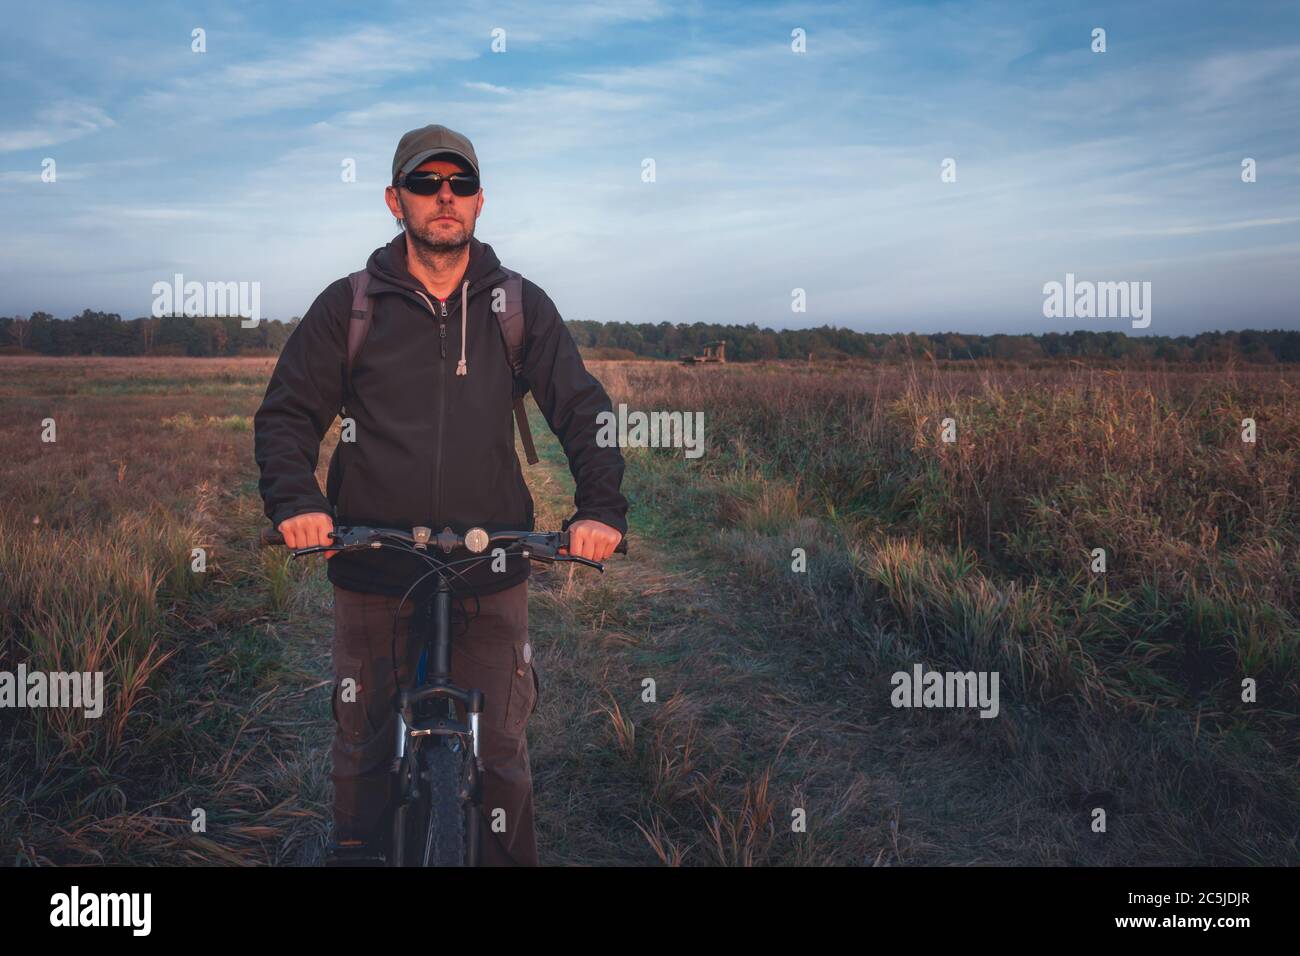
(443, 842)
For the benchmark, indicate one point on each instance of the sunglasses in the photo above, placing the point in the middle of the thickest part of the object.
(428, 184)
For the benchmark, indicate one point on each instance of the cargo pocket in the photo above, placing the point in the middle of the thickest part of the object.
(524, 689)
(350, 703)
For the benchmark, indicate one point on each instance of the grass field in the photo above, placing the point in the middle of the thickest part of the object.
(1120, 690)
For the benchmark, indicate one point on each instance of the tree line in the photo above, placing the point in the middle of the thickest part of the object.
(747, 343)
(105, 333)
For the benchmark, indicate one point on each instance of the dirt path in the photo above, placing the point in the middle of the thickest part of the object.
(751, 718)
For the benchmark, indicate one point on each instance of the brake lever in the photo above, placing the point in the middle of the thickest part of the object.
(314, 549)
(579, 560)
(540, 550)
(340, 544)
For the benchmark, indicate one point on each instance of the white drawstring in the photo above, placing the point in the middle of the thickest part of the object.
(461, 367)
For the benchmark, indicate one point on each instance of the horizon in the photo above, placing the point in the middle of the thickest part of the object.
(1127, 332)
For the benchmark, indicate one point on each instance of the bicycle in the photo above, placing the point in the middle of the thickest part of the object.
(436, 820)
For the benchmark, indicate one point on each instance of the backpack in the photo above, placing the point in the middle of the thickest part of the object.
(511, 321)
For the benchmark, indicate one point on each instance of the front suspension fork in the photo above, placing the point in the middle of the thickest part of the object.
(434, 683)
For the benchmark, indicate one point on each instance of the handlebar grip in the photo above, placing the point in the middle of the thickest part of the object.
(270, 537)
(622, 546)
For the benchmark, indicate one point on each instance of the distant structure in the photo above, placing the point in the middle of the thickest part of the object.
(713, 352)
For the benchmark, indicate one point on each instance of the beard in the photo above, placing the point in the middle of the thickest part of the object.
(433, 239)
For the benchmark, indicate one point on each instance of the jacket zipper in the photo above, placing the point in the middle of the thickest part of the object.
(442, 395)
(442, 404)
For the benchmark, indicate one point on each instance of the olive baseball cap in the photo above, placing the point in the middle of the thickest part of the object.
(420, 145)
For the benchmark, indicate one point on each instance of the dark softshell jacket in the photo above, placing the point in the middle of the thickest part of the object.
(432, 447)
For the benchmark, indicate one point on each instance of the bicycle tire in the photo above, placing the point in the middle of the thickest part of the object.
(443, 840)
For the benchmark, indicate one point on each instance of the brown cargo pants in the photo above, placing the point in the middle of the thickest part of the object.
(494, 655)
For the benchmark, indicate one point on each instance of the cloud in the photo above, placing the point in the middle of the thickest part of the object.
(33, 177)
(59, 123)
(303, 72)
(1242, 75)
(1199, 229)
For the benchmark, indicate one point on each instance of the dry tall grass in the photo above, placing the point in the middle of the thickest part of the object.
(1122, 689)
(982, 548)
(97, 534)
(977, 555)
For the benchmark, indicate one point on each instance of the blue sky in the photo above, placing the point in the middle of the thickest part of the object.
(775, 170)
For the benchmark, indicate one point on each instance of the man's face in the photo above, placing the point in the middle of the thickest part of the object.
(443, 222)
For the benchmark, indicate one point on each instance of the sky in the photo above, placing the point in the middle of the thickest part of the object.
(774, 170)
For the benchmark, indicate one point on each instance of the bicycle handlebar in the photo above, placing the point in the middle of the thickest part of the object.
(543, 545)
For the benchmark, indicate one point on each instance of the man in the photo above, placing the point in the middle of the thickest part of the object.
(430, 393)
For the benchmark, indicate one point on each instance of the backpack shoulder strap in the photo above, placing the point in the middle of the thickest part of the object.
(514, 335)
(511, 319)
(362, 315)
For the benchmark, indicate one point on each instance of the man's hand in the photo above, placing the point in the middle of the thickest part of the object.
(592, 540)
(308, 531)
